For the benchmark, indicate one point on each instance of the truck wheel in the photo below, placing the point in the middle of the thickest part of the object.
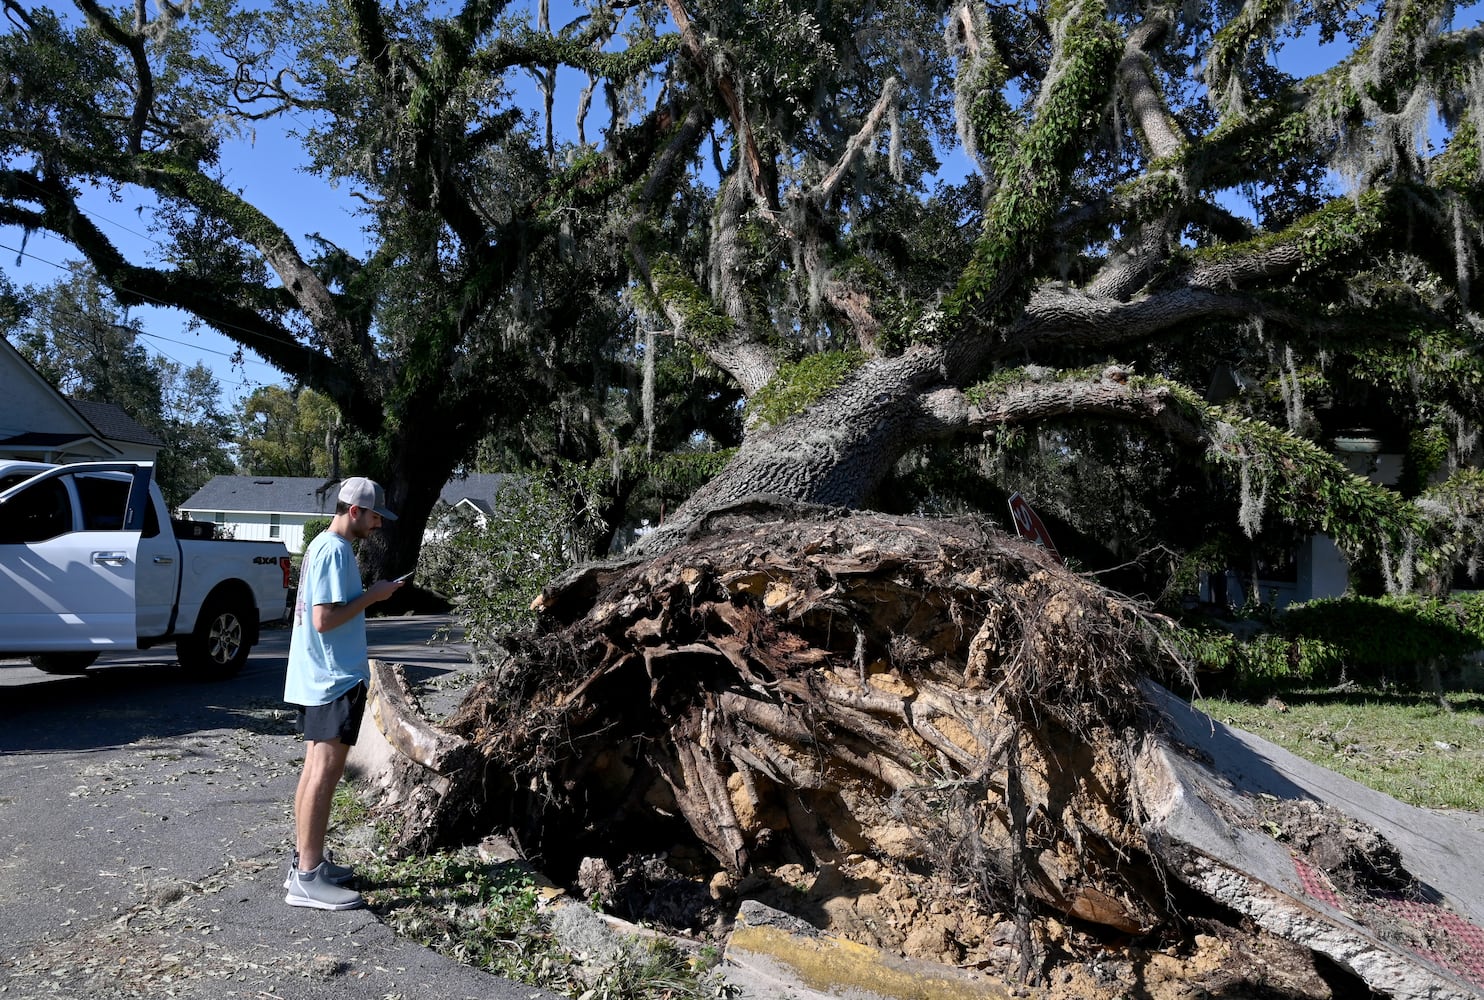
(219, 647)
(63, 663)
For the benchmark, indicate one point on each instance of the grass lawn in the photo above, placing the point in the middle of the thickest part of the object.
(1398, 742)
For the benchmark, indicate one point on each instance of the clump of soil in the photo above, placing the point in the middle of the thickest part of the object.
(1357, 858)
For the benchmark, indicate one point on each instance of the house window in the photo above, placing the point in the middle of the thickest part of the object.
(275, 525)
(221, 517)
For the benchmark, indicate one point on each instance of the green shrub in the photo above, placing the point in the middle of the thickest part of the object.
(492, 567)
(1265, 661)
(1470, 612)
(1330, 640)
(1377, 636)
(312, 528)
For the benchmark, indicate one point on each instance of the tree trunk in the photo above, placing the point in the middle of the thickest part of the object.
(415, 473)
(836, 452)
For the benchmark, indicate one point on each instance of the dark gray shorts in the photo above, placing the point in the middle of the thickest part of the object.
(339, 720)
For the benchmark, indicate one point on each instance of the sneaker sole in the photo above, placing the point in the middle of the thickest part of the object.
(315, 904)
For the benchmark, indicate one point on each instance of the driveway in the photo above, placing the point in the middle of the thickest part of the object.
(144, 825)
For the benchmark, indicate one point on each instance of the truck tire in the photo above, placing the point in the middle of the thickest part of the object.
(219, 646)
(63, 663)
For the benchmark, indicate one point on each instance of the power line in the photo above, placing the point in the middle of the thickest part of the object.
(96, 215)
(160, 303)
(205, 350)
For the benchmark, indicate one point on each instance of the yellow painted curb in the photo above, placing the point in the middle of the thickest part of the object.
(834, 965)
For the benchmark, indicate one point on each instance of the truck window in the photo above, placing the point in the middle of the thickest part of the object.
(102, 500)
(105, 500)
(36, 514)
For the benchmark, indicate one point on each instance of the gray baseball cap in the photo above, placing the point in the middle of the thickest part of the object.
(358, 491)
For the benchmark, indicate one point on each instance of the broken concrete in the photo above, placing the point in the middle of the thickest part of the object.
(1204, 786)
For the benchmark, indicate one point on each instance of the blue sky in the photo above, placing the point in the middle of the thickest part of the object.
(265, 167)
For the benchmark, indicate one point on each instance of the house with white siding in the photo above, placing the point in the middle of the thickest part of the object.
(276, 508)
(39, 424)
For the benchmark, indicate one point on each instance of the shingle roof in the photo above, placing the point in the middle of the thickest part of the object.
(111, 422)
(479, 488)
(316, 497)
(276, 494)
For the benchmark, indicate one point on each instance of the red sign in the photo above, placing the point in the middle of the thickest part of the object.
(1030, 526)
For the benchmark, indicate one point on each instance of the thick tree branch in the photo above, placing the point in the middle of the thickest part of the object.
(533, 49)
(1149, 242)
(1058, 317)
(201, 296)
(807, 231)
(19, 16)
(745, 359)
(422, 93)
(371, 38)
(1113, 395)
(856, 145)
(993, 287)
(762, 190)
(1298, 481)
(348, 340)
(134, 44)
(1161, 133)
(665, 171)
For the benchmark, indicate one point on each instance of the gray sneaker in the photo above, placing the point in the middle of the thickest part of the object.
(312, 889)
(333, 873)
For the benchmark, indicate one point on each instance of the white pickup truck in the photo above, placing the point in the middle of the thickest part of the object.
(90, 562)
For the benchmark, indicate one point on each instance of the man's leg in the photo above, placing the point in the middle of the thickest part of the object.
(324, 765)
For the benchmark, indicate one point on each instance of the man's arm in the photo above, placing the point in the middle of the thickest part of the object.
(328, 617)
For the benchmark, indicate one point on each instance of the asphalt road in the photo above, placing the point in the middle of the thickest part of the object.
(144, 824)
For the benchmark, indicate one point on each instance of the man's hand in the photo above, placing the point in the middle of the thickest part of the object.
(382, 589)
(328, 617)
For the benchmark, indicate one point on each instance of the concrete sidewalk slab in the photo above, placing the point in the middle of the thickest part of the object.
(1211, 792)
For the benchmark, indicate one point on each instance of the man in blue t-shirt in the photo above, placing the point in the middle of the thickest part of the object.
(327, 679)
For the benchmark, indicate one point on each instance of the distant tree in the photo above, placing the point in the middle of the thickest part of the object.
(195, 429)
(11, 306)
(492, 289)
(287, 432)
(81, 341)
(78, 338)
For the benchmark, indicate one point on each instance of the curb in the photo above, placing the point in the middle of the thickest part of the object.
(773, 954)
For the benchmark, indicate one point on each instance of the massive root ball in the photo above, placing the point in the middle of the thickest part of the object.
(928, 702)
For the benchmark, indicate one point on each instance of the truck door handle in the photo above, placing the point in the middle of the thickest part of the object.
(163, 561)
(110, 558)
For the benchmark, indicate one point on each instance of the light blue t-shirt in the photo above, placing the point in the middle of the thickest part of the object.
(325, 665)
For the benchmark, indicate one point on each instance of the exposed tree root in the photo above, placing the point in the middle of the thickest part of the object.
(926, 724)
